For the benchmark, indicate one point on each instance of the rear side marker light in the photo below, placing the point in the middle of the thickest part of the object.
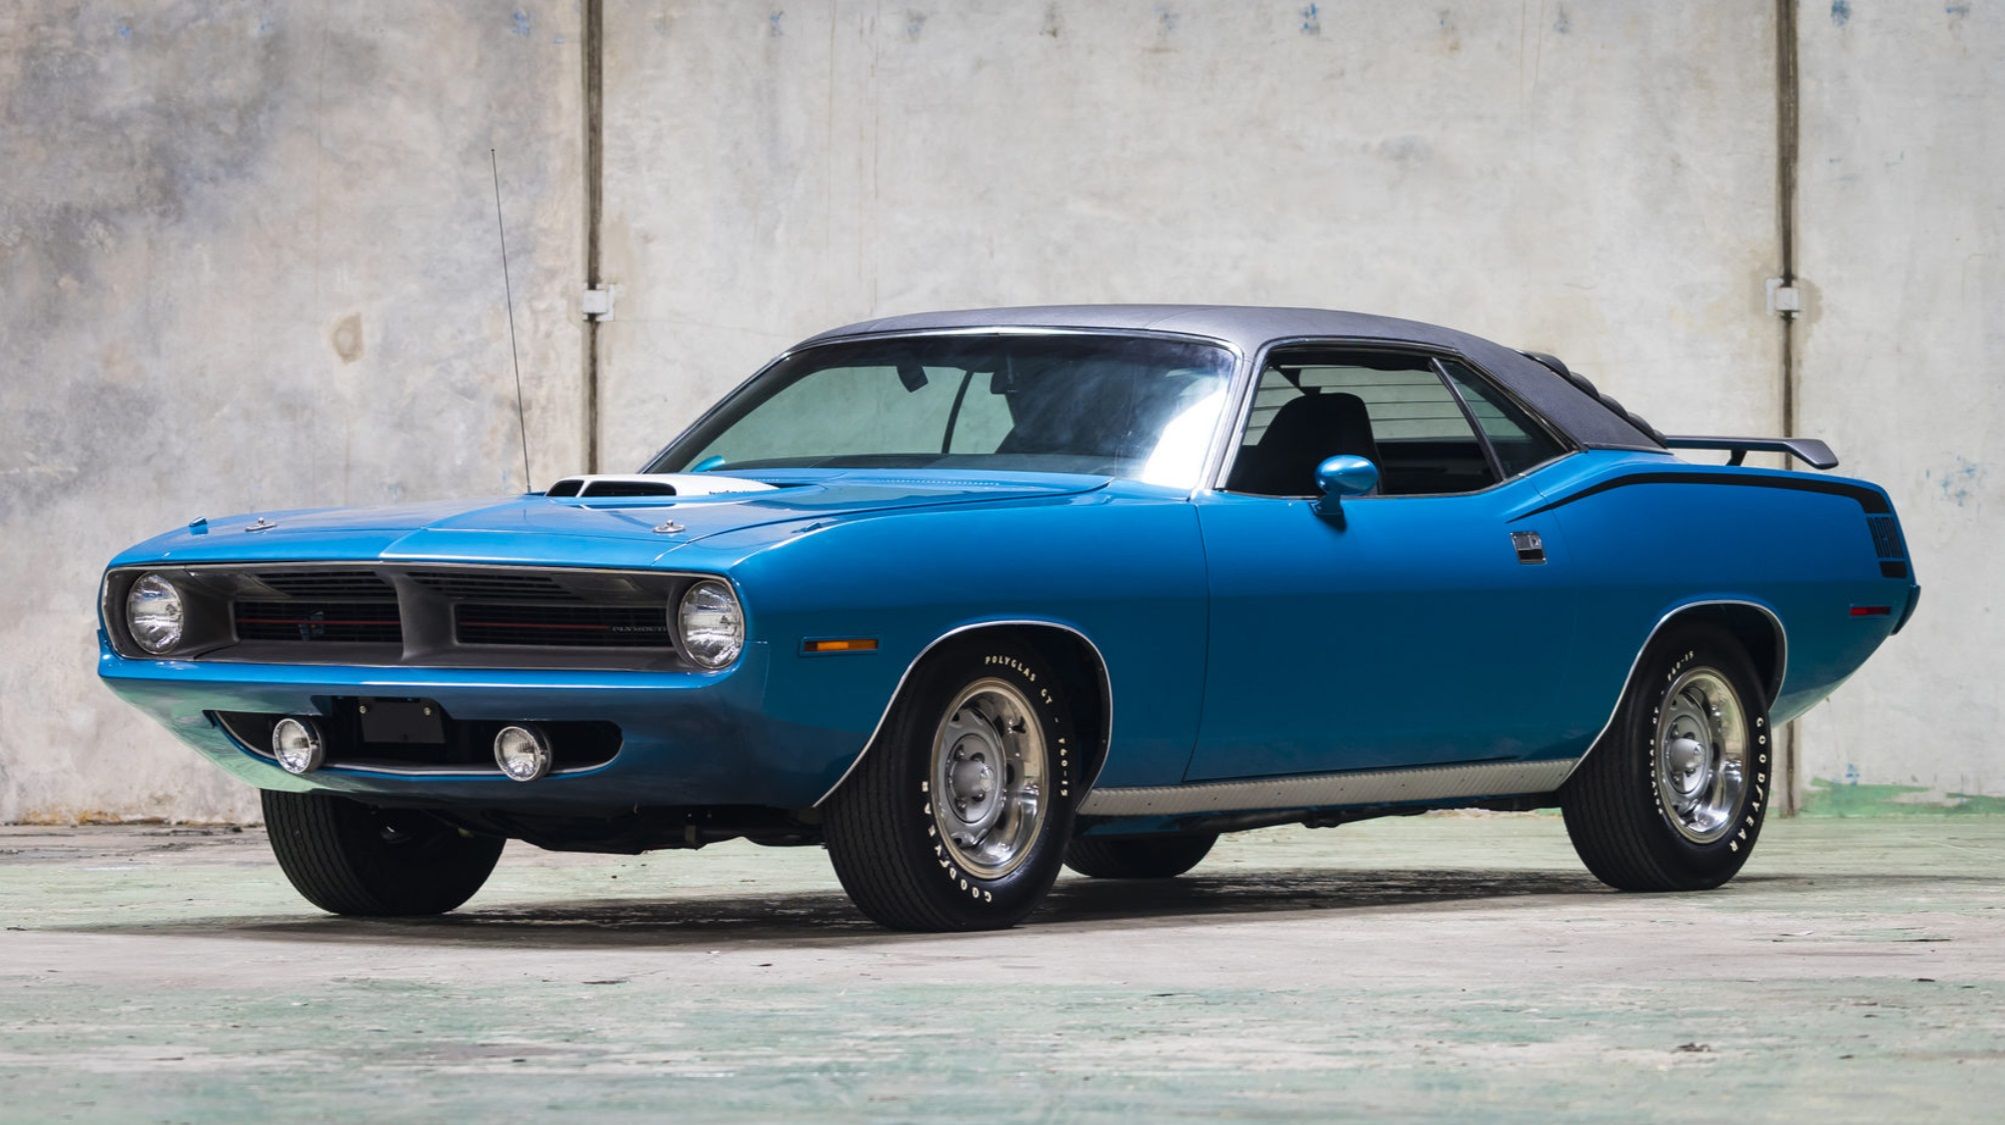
(1872, 611)
(846, 644)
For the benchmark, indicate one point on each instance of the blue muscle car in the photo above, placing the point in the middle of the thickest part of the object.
(967, 596)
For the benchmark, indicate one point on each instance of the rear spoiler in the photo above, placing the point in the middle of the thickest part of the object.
(1810, 451)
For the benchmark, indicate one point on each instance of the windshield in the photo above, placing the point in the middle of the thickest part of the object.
(1124, 406)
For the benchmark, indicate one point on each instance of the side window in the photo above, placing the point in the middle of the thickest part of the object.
(1519, 441)
(1393, 409)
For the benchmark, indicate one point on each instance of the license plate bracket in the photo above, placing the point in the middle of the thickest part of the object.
(402, 721)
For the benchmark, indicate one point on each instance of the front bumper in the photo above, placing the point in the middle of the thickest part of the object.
(688, 738)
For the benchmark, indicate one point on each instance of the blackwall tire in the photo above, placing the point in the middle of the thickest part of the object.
(917, 837)
(1655, 806)
(349, 858)
(1138, 857)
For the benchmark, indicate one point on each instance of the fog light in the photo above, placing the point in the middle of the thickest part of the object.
(522, 752)
(297, 745)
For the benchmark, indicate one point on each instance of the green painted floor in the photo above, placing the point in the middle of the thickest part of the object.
(1440, 966)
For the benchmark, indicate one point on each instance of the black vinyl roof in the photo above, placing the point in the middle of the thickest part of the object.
(1568, 402)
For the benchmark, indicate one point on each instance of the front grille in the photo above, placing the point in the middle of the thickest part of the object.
(494, 586)
(327, 584)
(564, 626)
(424, 614)
(357, 622)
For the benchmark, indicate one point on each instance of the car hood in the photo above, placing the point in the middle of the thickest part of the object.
(600, 531)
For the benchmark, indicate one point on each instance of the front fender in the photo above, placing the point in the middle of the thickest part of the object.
(1124, 572)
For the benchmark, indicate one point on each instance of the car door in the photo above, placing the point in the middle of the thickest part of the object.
(1421, 626)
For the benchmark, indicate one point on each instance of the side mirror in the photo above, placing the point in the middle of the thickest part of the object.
(1341, 476)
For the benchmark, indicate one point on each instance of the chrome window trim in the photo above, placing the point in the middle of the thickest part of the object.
(1106, 695)
(1236, 376)
(1781, 662)
(1568, 447)
(1483, 440)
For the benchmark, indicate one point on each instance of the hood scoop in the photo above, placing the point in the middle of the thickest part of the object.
(600, 486)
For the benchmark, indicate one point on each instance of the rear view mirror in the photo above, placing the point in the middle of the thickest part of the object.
(1340, 476)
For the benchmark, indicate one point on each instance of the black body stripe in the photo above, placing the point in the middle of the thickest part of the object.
(1868, 499)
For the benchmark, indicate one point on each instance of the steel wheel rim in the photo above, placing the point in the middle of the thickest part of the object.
(988, 775)
(1702, 753)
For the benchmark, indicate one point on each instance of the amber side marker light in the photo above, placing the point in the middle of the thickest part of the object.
(845, 644)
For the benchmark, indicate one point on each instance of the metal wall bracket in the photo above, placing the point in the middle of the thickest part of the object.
(1783, 300)
(597, 304)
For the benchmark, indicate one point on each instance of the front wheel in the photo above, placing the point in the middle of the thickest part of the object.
(1673, 798)
(350, 858)
(957, 817)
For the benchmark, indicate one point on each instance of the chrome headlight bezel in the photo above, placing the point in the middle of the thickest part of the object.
(725, 615)
(159, 601)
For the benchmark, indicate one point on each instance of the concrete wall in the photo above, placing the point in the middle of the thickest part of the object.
(1597, 179)
(199, 208)
(1903, 249)
(248, 260)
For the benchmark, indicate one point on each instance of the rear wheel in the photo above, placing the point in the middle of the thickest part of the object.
(956, 819)
(1138, 857)
(350, 858)
(1673, 798)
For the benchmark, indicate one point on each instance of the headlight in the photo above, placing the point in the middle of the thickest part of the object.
(153, 614)
(711, 624)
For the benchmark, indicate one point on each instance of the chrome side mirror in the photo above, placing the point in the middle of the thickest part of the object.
(1340, 476)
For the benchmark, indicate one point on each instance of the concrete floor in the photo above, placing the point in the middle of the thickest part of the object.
(1435, 966)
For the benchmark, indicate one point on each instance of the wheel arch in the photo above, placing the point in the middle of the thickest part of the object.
(1754, 624)
(1079, 660)
(1758, 629)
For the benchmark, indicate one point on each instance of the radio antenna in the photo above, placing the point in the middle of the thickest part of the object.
(508, 294)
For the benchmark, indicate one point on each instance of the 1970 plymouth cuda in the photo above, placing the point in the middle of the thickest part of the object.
(967, 596)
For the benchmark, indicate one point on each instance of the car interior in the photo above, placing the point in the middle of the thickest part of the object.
(1402, 412)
